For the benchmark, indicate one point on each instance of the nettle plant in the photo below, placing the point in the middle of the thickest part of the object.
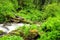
(50, 29)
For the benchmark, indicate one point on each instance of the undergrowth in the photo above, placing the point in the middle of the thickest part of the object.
(49, 14)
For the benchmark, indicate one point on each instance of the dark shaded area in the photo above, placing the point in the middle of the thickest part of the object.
(45, 29)
(18, 9)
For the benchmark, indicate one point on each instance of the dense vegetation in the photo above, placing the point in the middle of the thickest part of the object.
(46, 12)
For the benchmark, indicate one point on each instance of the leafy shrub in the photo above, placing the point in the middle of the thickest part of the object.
(29, 4)
(6, 37)
(6, 8)
(31, 14)
(51, 10)
(15, 4)
(50, 29)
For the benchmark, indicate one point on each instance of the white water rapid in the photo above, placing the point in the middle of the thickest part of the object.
(13, 26)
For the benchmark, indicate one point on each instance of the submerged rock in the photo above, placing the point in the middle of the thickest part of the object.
(2, 33)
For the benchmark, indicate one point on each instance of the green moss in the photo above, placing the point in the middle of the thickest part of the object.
(1, 32)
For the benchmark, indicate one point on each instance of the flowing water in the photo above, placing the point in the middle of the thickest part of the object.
(13, 26)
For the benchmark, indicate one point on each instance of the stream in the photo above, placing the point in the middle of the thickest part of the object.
(11, 27)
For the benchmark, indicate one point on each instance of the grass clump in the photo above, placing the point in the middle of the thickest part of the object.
(8, 37)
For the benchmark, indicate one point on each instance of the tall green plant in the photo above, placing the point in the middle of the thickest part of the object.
(50, 29)
(15, 4)
(51, 10)
(6, 8)
(31, 14)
